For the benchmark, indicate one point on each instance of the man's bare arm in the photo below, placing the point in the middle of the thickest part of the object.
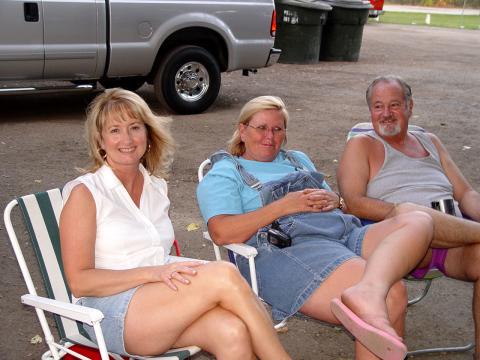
(468, 199)
(353, 175)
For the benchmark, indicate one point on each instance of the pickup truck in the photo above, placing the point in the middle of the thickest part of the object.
(179, 46)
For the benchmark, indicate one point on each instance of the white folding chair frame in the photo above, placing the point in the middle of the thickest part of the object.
(41, 304)
(64, 309)
(247, 251)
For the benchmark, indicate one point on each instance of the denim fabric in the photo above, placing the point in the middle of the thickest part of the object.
(288, 277)
(114, 309)
(320, 243)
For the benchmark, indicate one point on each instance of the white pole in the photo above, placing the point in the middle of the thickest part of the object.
(463, 14)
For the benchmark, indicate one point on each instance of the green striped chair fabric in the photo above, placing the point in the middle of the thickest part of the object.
(41, 213)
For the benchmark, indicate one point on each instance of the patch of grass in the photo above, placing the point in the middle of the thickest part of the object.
(439, 20)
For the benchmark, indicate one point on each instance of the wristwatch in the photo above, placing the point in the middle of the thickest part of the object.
(341, 203)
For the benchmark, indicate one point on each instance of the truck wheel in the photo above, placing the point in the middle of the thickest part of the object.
(188, 80)
(132, 84)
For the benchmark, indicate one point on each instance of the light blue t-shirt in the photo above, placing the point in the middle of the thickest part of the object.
(223, 191)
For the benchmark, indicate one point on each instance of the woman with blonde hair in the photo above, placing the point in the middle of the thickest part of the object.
(116, 237)
(310, 253)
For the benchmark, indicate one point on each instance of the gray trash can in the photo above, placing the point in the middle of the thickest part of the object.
(343, 32)
(299, 29)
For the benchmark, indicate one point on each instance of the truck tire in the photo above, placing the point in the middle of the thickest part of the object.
(188, 80)
(132, 83)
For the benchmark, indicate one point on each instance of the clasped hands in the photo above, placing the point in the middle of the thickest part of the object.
(312, 200)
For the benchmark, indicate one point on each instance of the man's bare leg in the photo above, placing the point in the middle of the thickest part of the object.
(449, 231)
(463, 264)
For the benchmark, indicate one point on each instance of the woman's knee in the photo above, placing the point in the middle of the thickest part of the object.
(405, 208)
(232, 337)
(420, 221)
(226, 276)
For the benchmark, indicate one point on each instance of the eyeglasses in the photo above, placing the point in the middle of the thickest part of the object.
(263, 130)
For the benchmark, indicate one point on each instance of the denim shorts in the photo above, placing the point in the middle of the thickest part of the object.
(288, 277)
(114, 309)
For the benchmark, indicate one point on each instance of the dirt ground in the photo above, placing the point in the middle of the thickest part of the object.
(41, 144)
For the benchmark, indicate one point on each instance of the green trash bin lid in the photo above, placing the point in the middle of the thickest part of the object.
(307, 4)
(350, 4)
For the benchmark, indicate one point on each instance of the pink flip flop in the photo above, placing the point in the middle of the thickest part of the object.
(379, 342)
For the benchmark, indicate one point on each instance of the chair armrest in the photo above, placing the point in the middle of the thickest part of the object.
(72, 311)
(240, 249)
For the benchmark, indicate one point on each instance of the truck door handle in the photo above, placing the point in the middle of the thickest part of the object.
(30, 11)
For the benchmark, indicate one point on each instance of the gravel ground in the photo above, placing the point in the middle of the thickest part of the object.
(41, 144)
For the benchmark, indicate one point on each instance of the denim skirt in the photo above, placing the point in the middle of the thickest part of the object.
(287, 277)
(114, 309)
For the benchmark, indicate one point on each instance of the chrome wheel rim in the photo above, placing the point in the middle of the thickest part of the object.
(192, 81)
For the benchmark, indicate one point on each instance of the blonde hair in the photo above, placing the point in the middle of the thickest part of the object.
(235, 145)
(123, 104)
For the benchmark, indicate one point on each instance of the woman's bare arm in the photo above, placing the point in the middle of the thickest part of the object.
(229, 229)
(77, 235)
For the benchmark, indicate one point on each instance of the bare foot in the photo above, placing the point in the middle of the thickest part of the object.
(379, 342)
(369, 303)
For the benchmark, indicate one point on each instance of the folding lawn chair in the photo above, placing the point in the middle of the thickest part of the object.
(41, 212)
(433, 274)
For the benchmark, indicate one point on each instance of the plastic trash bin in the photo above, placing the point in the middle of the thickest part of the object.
(299, 29)
(343, 32)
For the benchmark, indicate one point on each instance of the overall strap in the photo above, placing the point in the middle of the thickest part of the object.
(290, 156)
(248, 178)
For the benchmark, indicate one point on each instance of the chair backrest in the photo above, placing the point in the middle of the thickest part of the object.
(41, 213)
(201, 169)
(364, 127)
(231, 255)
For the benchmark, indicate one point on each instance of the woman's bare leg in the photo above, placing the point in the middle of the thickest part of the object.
(392, 248)
(157, 316)
(345, 276)
(221, 333)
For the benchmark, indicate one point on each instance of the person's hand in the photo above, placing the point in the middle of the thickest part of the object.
(176, 271)
(322, 199)
(309, 200)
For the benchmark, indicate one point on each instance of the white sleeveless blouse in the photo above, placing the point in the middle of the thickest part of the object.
(128, 236)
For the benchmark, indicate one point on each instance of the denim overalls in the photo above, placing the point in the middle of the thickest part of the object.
(320, 241)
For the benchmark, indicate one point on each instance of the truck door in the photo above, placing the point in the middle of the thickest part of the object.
(21, 39)
(74, 38)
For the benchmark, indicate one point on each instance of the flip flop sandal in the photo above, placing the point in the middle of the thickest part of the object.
(379, 342)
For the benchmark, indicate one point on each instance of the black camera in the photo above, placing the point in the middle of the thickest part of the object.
(277, 237)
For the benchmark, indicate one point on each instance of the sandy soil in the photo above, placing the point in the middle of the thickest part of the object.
(41, 144)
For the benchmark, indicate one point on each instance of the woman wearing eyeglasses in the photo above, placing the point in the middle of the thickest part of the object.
(310, 253)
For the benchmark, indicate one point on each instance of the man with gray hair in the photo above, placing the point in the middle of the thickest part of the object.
(391, 170)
